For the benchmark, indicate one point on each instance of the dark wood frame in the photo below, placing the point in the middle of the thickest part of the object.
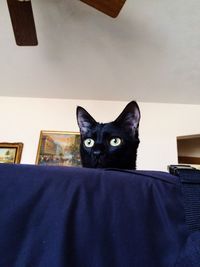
(18, 153)
(187, 159)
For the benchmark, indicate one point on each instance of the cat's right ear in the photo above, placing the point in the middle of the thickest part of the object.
(84, 119)
(130, 116)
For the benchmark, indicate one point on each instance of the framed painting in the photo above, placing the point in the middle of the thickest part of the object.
(10, 152)
(58, 148)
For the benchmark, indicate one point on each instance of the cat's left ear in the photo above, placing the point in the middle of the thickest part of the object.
(130, 116)
(84, 119)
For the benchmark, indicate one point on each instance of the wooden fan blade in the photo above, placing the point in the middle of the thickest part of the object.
(109, 7)
(23, 24)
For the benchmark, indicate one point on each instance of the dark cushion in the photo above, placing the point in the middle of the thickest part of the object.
(79, 217)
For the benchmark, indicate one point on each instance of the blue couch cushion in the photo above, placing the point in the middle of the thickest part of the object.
(79, 217)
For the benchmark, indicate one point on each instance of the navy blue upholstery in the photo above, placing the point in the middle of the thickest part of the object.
(79, 217)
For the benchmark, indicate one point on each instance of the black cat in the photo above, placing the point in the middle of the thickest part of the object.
(109, 145)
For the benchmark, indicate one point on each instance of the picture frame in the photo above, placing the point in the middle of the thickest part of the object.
(10, 152)
(59, 148)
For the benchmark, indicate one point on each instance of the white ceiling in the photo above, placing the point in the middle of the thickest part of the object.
(150, 53)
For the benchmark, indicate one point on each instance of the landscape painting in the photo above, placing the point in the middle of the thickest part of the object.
(58, 148)
(10, 152)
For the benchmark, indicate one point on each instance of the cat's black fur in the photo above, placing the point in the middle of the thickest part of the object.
(98, 152)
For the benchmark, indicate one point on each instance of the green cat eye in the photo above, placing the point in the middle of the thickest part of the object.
(115, 141)
(89, 142)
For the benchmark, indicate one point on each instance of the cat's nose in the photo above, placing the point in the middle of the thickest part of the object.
(98, 149)
(97, 152)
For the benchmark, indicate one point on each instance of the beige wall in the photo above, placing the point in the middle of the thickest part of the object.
(22, 119)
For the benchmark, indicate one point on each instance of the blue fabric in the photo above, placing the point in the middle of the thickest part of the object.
(190, 180)
(79, 217)
(190, 254)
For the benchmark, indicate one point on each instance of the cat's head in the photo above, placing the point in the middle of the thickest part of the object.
(109, 145)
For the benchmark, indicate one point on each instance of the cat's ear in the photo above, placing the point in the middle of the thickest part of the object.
(130, 116)
(84, 119)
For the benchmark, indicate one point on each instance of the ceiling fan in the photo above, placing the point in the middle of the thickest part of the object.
(23, 24)
(109, 7)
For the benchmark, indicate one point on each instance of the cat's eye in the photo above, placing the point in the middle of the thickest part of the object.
(115, 141)
(89, 142)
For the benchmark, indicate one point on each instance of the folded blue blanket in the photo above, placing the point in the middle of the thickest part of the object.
(79, 217)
